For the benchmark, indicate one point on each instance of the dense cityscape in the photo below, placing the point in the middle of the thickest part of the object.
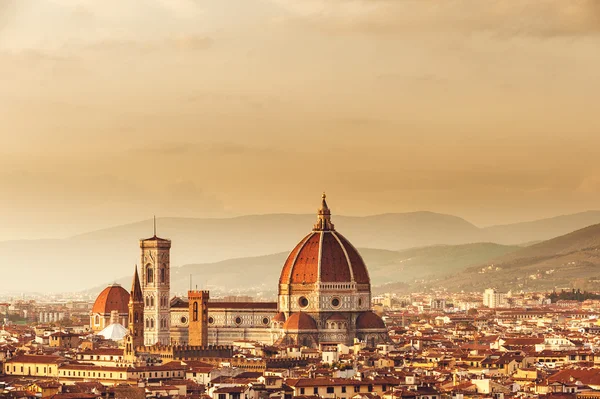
(299, 199)
(326, 336)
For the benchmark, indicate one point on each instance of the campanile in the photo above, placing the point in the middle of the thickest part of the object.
(156, 287)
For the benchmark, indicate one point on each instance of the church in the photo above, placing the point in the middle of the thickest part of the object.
(324, 296)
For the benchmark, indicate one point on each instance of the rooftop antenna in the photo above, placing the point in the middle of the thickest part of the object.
(190, 281)
(154, 225)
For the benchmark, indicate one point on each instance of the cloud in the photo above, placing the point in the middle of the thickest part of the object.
(545, 18)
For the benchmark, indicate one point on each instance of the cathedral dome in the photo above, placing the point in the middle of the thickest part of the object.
(369, 321)
(300, 321)
(324, 255)
(113, 297)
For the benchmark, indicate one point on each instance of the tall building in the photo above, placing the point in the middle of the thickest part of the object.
(493, 299)
(155, 261)
(198, 318)
(325, 291)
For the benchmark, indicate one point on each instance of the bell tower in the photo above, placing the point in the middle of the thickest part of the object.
(136, 311)
(198, 329)
(156, 287)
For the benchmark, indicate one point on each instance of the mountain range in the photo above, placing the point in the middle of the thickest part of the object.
(94, 258)
(569, 261)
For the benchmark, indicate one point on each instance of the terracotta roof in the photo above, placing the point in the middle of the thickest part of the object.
(369, 320)
(40, 359)
(339, 261)
(300, 321)
(113, 297)
(324, 255)
(279, 317)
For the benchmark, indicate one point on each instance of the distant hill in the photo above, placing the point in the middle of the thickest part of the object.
(539, 230)
(93, 258)
(259, 275)
(571, 260)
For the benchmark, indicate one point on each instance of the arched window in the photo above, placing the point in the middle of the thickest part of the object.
(147, 323)
(195, 312)
(149, 274)
(97, 321)
(163, 273)
(151, 301)
(151, 323)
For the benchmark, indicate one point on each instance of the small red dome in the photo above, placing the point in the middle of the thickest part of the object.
(279, 317)
(369, 320)
(300, 321)
(113, 297)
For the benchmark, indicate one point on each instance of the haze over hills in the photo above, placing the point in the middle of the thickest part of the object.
(260, 274)
(568, 261)
(93, 258)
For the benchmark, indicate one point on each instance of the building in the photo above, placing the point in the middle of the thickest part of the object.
(156, 283)
(113, 298)
(324, 296)
(494, 299)
(325, 291)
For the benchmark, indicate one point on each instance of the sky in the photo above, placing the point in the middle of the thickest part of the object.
(112, 111)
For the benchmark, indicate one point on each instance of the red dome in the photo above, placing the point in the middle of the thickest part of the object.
(279, 317)
(327, 253)
(113, 297)
(300, 321)
(369, 320)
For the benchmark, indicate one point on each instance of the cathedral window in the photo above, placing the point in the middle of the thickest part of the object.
(97, 321)
(303, 302)
(149, 274)
(162, 274)
(195, 312)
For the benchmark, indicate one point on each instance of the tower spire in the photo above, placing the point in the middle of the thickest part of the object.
(323, 217)
(136, 288)
(154, 225)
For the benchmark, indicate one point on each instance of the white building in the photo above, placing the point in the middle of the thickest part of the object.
(494, 299)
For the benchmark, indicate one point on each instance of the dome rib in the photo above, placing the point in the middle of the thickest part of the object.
(359, 267)
(320, 256)
(290, 263)
(325, 256)
(347, 257)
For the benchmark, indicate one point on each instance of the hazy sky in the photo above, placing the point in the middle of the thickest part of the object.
(114, 110)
